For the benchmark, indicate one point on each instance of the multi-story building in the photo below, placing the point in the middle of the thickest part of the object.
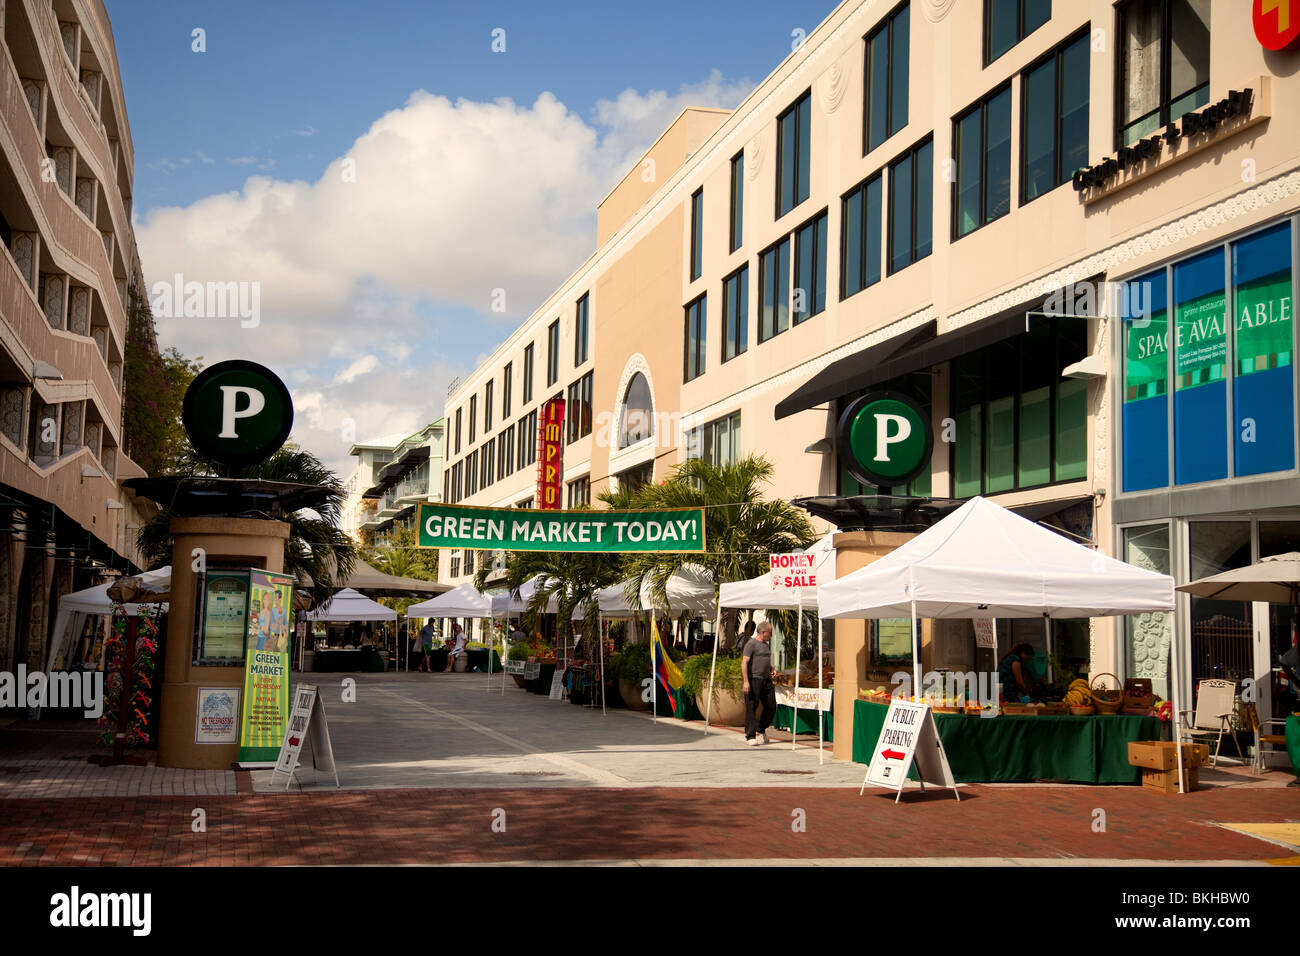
(1001, 210)
(411, 472)
(371, 456)
(69, 263)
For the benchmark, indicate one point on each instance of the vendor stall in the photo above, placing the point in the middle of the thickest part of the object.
(82, 620)
(985, 561)
(465, 601)
(349, 606)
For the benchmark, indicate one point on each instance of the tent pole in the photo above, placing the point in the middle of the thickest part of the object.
(600, 637)
(656, 642)
(713, 665)
(916, 655)
(1175, 683)
(1047, 634)
(798, 649)
(821, 714)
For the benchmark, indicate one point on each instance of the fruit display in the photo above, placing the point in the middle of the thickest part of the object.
(879, 695)
(1079, 694)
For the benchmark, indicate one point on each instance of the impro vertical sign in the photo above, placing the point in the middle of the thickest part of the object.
(550, 455)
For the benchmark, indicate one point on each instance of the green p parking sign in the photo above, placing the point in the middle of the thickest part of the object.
(237, 412)
(885, 439)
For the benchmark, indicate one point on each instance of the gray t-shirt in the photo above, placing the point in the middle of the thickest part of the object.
(760, 655)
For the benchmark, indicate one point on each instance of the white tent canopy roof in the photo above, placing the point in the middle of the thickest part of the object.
(463, 601)
(688, 590)
(758, 593)
(985, 561)
(350, 605)
(95, 600)
(503, 604)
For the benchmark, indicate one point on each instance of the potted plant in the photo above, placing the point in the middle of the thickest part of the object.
(728, 688)
(520, 652)
(631, 667)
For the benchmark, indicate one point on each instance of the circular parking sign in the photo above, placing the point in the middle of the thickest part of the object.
(885, 439)
(237, 412)
(1277, 23)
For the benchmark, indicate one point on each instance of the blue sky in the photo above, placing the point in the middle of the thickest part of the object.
(374, 294)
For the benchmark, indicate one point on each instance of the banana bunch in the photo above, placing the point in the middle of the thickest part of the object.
(1079, 694)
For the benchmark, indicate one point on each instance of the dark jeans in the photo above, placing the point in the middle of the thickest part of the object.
(761, 693)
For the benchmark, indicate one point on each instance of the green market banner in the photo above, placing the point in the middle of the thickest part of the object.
(514, 529)
(1263, 327)
(266, 667)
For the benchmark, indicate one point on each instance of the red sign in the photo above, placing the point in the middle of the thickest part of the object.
(1277, 23)
(550, 455)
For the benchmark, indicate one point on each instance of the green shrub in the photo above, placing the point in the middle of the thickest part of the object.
(727, 674)
(521, 652)
(633, 661)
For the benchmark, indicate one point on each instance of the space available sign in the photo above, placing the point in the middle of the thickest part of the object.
(514, 529)
(792, 570)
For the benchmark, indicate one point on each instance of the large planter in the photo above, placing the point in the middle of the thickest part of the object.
(630, 690)
(728, 708)
(518, 679)
(462, 664)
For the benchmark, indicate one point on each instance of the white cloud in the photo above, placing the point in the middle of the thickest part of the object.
(436, 205)
(305, 131)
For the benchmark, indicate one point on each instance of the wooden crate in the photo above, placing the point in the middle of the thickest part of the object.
(1166, 781)
(1159, 755)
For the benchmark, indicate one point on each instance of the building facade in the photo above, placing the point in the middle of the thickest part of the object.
(69, 265)
(371, 456)
(1034, 219)
(408, 472)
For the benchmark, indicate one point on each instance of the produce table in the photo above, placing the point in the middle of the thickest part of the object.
(807, 721)
(339, 659)
(1293, 742)
(1012, 749)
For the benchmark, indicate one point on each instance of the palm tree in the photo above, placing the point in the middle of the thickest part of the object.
(741, 527)
(317, 550)
(404, 558)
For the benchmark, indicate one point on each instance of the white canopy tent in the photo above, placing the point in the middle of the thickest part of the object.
(758, 594)
(463, 601)
(350, 605)
(983, 561)
(74, 608)
(505, 604)
(690, 590)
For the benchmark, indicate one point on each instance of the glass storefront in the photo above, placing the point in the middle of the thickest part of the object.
(1146, 636)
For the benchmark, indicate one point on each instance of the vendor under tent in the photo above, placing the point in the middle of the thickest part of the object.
(149, 587)
(985, 561)
(465, 600)
(758, 594)
(347, 606)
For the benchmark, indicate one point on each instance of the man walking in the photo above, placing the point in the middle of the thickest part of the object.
(756, 668)
(426, 647)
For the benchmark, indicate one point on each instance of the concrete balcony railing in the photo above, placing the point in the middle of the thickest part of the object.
(64, 226)
(76, 357)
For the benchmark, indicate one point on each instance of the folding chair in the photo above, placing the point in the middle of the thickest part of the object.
(1215, 704)
(1257, 726)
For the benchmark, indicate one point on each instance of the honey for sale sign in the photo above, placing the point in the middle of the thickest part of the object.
(792, 571)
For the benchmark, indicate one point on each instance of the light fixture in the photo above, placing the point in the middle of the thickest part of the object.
(821, 446)
(45, 370)
(1090, 367)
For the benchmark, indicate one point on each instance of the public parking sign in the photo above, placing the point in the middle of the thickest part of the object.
(237, 412)
(909, 736)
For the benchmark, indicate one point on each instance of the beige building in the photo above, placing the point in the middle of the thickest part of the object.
(69, 260)
(900, 206)
(406, 473)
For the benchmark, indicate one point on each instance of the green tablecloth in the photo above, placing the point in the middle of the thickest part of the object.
(1293, 742)
(541, 684)
(478, 657)
(807, 721)
(1011, 749)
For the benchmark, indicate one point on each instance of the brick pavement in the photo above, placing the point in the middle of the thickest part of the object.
(403, 826)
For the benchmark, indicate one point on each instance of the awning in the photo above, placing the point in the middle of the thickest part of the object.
(396, 469)
(842, 377)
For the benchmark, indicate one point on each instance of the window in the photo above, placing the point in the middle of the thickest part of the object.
(580, 328)
(455, 564)
(737, 227)
(911, 206)
(774, 290)
(527, 439)
(636, 420)
(580, 492)
(487, 407)
(718, 442)
(473, 416)
(792, 156)
(553, 353)
(1054, 119)
(577, 409)
(810, 269)
(503, 443)
(637, 476)
(528, 374)
(454, 490)
(982, 142)
(471, 473)
(1163, 63)
(446, 486)
(735, 314)
(457, 431)
(696, 321)
(469, 561)
(1007, 22)
(885, 99)
(1018, 423)
(507, 383)
(697, 233)
(860, 242)
(489, 463)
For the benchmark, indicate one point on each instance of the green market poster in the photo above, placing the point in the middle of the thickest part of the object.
(1263, 324)
(1202, 345)
(266, 667)
(1146, 357)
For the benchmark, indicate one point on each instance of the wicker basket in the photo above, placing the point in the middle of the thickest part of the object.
(1106, 700)
(1082, 710)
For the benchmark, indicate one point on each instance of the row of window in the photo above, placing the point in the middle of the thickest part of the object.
(514, 448)
(581, 352)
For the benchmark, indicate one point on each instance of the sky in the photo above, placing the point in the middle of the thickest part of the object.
(371, 173)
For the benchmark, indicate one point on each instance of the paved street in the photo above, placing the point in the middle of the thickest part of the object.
(446, 769)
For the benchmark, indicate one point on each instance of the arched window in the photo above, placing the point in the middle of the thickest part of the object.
(636, 423)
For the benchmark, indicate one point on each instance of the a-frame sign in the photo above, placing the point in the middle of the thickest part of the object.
(909, 737)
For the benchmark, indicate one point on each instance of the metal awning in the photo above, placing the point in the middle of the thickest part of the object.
(908, 513)
(394, 470)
